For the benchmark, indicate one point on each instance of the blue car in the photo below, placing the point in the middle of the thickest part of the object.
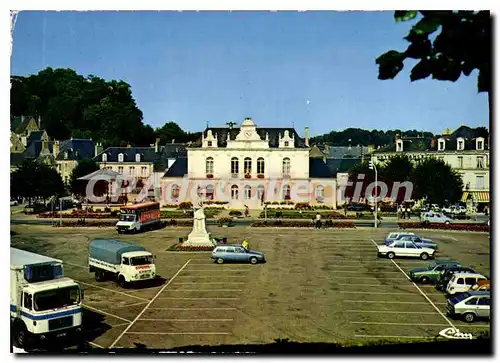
(396, 235)
(236, 253)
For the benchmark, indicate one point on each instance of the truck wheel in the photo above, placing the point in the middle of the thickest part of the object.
(99, 276)
(21, 336)
(122, 282)
(137, 229)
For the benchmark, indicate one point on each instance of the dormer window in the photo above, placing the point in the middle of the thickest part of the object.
(137, 158)
(65, 155)
(120, 158)
(441, 145)
(286, 143)
(209, 143)
(399, 145)
(104, 157)
(460, 144)
(480, 143)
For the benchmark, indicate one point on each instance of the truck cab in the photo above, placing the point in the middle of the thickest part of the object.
(136, 266)
(127, 223)
(43, 303)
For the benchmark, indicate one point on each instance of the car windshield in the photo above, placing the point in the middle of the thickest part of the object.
(127, 217)
(432, 265)
(459, 297)
(57, 298)
(141, 260)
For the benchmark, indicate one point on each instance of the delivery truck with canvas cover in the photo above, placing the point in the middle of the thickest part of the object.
(43, 303)
(122, 261)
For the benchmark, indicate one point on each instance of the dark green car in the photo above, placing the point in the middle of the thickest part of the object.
(448, 273)
(431, 273)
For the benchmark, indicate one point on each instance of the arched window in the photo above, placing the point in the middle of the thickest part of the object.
(137, 158)
(260, 192)
(199, 191)
(234, 192)
(120, 157)
(209, 192)
(248, 192)
(175, 191)
(247, 164)
(235, 166)
(287, 192)
(286, 166)
(209, 165)
(320, 193)
(260, 166)
(104, 157)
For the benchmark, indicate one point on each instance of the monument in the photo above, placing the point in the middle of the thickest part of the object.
(199, 235)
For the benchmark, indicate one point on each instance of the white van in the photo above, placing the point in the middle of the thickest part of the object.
(462, 282)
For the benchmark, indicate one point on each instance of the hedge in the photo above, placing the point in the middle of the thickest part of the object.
(179, 247)
(444, 226)
(293, 214)
(302, 224)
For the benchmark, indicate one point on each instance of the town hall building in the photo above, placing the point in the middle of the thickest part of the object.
(248, 166)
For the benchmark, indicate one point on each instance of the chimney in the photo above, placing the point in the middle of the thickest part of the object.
(306, 136)
(22, 118)
(55, 148)
(156, 144)
(39, 122)
(173, 141)
(97, 149)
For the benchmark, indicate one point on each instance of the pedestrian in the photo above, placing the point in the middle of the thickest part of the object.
(245, 245)
(318, 220)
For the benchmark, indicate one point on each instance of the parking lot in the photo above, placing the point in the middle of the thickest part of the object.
(317, 286)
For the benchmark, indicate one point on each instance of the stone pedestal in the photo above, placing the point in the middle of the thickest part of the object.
(199, 235)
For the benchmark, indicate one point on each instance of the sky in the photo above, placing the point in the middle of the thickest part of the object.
(282, 69)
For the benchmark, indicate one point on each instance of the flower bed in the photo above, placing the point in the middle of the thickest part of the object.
(179, 223)
(226, 221)
(293, 214)
(209, 213)
(81, 223)
(302, 224)
(179, 247)
(451, 226)
(90, 215)
(235, 213)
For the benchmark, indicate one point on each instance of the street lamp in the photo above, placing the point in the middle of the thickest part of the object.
(373, 167)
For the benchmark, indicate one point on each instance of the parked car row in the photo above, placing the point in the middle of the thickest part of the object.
(468, 291)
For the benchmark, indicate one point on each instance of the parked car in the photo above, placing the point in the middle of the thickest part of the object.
(396, 235)
(461, 282)
(13, 202)
(448, 273)
(435, 217)
(422, 242)
(470, 305)
(483, 285)
(432, 272)
(357, 207)
(405, 249)
(236, 253)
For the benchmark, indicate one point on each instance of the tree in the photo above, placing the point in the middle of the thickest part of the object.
(436, 181)
(70, 104)
(170, 131)
(359, 174)
(398, 169)
(34, 179)
(447, 45)
(83, 168)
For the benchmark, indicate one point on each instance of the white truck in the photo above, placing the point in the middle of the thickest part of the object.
(127, 263)
(43, 303)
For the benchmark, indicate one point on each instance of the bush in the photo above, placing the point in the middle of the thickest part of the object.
(235, 213)
(302, 206)
(302, 224)
(225, 221)
(185, 205)
(179, 223)
(451, 226)
(180, 247)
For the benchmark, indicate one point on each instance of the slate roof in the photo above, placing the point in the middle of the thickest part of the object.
(173, 150)
(178, 169)
(35, 136)
(274, 133)
(17, 124)
(339, 152)
(33, 150)
(342, 165)
(16, 159)
(319, 169)
(77, 149)
(148, 154)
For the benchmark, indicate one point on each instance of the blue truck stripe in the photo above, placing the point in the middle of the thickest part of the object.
(47, 316)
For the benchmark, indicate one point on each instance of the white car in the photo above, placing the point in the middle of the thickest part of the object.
(462, 282)
(405, 249)
(435, 217)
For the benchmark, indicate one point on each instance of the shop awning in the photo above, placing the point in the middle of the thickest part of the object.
(478, 197)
